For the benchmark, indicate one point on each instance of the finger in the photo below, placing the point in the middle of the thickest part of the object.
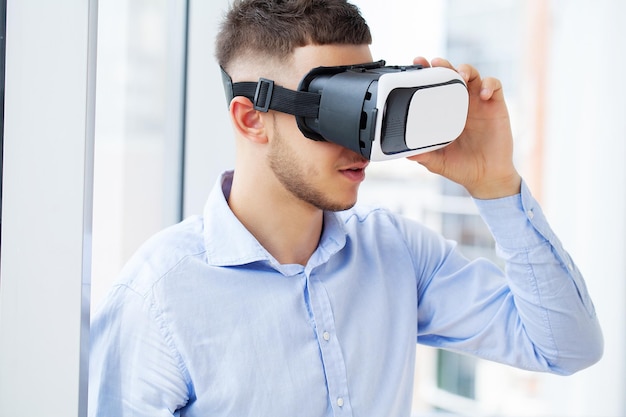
(420, 60)
(491, 88)
(441, 62)
(471, 76)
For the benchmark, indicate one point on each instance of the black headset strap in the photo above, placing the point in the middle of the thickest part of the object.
(265, 95)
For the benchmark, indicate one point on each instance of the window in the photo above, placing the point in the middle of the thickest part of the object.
(139, 129)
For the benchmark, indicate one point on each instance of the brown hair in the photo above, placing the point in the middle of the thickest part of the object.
(274, 28)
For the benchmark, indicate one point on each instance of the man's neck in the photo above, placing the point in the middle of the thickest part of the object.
(288, 228)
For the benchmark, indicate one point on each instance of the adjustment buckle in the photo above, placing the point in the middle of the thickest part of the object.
(263, 95)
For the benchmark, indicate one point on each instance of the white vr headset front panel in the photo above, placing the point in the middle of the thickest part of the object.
(436, 115)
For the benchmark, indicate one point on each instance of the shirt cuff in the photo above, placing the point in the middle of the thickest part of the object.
(516, 222)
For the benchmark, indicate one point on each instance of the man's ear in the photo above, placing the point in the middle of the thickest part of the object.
(248, 122)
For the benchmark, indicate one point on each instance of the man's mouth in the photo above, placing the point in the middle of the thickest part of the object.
(356, 171)
(356, 165)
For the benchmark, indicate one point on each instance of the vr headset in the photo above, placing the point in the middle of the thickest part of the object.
(381, 112)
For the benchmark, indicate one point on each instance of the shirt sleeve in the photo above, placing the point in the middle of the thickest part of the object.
(536, 314)
(133, 370)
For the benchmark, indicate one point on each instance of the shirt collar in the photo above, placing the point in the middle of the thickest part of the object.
(229, 243)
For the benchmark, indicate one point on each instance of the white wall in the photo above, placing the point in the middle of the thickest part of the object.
(46, 228)
(585, 179)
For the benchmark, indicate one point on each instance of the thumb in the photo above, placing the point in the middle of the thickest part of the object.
(427, 159)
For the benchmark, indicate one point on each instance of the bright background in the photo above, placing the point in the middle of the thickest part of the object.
(162, 137)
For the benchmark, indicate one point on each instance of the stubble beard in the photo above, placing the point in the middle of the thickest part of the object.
(288, 169)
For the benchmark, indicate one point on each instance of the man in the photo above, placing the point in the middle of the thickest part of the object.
(285, 299)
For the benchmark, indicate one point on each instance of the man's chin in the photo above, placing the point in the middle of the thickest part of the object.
(340, 206)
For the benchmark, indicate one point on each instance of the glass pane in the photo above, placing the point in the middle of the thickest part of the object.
(139, 143)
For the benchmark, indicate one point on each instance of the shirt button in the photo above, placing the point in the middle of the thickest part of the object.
(340, 402)
(530, 214)
(326, 336)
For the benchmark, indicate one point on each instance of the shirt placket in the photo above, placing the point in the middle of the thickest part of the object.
(330, 348)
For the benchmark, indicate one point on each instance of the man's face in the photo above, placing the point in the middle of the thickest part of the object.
(323, 174)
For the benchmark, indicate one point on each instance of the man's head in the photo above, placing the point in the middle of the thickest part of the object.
(282, 40)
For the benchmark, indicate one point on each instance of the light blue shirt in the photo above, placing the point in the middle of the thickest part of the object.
(205, 322)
